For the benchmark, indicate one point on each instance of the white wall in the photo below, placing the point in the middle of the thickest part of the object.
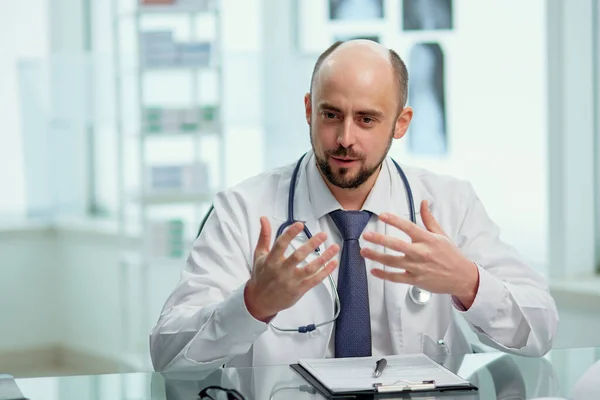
(573, 132)
(287, 77)
(496, 105)
(24, 28)
(103, 289)
(30, 290)
(243, 84)
(66, 26)
(72, 287)
(34, 32)
(90, 278)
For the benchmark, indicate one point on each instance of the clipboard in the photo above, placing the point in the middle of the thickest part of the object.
(381, 391)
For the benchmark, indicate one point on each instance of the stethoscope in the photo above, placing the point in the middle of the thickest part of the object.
(417, 295)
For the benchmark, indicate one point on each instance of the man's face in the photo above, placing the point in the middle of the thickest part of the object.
(343, 166)
(353, 118)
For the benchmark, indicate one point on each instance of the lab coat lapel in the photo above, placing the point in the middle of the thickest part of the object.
(402, 318)
(317, 304)
(305, 214)
(302, 212)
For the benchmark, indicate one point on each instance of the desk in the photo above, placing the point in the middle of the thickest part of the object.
(497, 375)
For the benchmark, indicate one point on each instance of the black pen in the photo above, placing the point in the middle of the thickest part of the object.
(379, 367)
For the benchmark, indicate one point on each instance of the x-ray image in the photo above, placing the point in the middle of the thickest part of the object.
(427, 14)
(352, 37)
(355, 9)
(427, 132)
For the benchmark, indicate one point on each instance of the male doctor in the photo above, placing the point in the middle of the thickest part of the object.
(245, 291)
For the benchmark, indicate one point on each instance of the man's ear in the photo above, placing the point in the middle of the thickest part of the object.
(308, 107)
(402, 122)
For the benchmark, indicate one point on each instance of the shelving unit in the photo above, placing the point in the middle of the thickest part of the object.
(187, 194)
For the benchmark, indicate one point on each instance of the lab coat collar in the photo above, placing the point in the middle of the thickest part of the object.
(313, 198)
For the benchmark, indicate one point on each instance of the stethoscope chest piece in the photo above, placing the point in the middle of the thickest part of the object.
(419, 296)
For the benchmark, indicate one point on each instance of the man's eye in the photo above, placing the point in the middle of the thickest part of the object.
(367, 120)
(329, 115)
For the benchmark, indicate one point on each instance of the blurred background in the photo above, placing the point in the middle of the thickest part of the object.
(122, 118)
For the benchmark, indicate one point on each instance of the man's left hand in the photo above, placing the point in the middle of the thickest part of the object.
(431, 262)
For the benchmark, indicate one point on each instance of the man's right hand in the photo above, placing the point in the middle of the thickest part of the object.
(276, 282)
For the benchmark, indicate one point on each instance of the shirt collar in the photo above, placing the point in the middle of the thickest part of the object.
(323, 201)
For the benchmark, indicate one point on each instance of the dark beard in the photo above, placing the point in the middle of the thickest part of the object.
(340, 180)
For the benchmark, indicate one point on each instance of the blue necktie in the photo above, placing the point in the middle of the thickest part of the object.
(353, 325)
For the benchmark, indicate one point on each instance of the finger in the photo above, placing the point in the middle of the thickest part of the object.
(307, 248)
(264, 239)
(429, 221)
(317, 278)
(283, 241)
(398, 277)
(416, 233)
(387, 259)
(388, 242)
(317, 263)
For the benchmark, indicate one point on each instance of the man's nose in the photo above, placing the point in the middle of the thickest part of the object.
(346, 136)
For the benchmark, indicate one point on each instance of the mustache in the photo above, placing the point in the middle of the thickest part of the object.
(345, 152)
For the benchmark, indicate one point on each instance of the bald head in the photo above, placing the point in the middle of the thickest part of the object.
(362, 60)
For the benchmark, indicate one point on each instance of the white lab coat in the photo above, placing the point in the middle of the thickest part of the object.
(204, 323)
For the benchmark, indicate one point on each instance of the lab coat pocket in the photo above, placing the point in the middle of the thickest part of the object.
(437, 350)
